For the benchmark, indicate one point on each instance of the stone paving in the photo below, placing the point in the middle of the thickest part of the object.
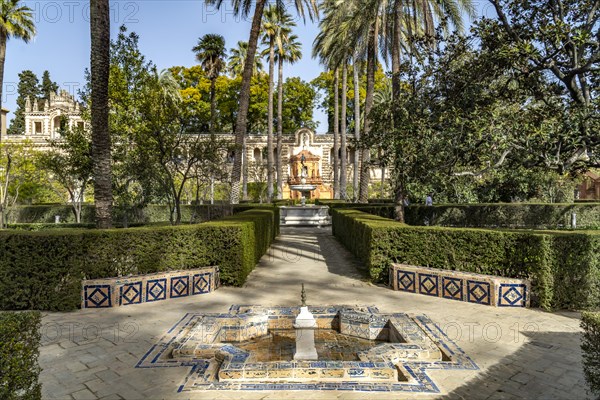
(522, 353)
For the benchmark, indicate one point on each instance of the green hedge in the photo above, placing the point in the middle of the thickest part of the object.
(518, 215)
(19, 351)
(43, 270)
(590, 346)
(44, 214)
(564, 267)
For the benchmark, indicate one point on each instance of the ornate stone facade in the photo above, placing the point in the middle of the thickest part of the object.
(43, 119)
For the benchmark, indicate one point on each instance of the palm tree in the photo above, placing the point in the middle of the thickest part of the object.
(237, 60)
(335, 45)
(243, 7)
(210, 53)
(15, 21)
(276, 27)
(290, 51)
(101, 143)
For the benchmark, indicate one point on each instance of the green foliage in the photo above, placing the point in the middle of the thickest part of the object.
(70, 164)
(564, 268)
(17, 170)
(47, 86)
(518, 215)
(590, 346)
(19, 351)
(57, 260)
(27, 89)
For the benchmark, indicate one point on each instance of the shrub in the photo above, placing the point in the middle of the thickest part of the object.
(564, 267)
(590, 347)
(19, 351)
(43, 270)
(517, 215)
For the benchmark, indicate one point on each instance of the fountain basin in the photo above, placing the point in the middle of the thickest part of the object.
(309, 215)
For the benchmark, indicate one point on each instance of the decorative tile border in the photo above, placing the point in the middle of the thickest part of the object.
(415, 346)
(462, 286)
(130, 290)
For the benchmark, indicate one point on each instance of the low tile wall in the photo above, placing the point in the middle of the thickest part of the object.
(129, 290)
(462, 286)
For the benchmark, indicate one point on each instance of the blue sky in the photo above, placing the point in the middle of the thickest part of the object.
(168, 29)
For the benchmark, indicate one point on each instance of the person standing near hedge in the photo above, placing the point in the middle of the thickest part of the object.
(429, 200)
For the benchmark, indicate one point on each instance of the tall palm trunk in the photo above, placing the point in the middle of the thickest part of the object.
(356, 128)
(213, 104)
(2, 60)
(270, 121)
(343, 161)
(365, 175)
(396, 49)
(101, 146)
(242, 117)
(336, 134)
(399, 191)
(279, 160)
(244, 170)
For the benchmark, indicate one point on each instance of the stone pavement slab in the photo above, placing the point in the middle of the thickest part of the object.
(522, 353)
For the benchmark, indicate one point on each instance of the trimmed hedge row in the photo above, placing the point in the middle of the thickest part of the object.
(44, 214)
(19, 351)
(518, 215)
(564, 267)
(43, 270)
(590, 347)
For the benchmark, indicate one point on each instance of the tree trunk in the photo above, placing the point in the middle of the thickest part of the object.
(343, 156)
(365, 177)
(270, 121)
(336, 134)
(396, 49)
(242, 116)
(245, 171)
(399, 202)
(279, 160)
(356, 128)
(213, 105)
(2, 59)
(101, 143)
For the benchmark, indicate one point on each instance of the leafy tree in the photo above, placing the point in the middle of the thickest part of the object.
(210, 53)
(16, 169)
(166, 143)
(559, 39)
(15, 21)
(47, 86)
(70, 165)
(130, 73)
(27, 89)
(299, 99)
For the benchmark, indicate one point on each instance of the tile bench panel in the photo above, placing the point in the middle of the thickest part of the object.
(131, 290)
(475, 288)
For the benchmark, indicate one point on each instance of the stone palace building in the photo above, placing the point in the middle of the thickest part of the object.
(43, 123)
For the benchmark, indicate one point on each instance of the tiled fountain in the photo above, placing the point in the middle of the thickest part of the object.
(359, 348)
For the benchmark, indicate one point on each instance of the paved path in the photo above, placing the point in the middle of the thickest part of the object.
(91, 354)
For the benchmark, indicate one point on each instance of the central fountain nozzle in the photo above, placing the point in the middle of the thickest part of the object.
(305, 326)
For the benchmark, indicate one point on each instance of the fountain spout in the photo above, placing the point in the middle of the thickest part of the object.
(305, 326)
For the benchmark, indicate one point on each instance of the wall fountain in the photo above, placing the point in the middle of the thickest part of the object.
(305, 177)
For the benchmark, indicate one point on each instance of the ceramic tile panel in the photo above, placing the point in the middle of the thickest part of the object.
(461, 286)
(132, 290)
